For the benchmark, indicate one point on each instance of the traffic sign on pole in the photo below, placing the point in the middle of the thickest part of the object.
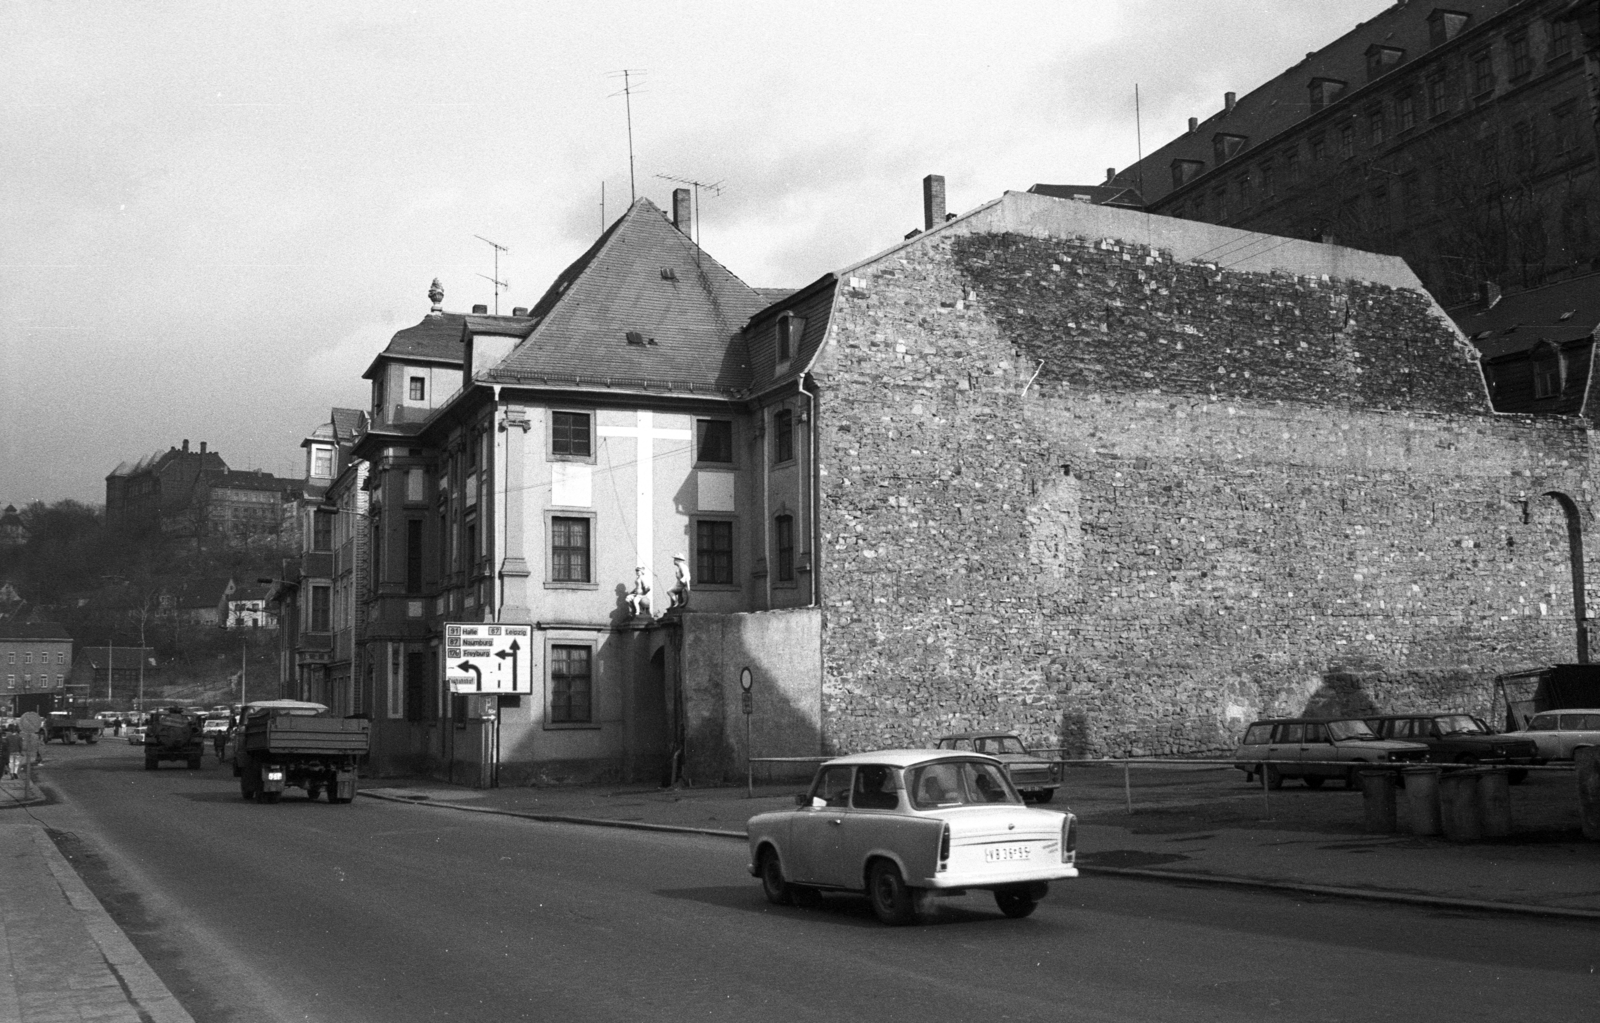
(486, 657)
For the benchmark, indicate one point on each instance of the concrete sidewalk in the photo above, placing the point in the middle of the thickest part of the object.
(1546, 874)
(65, 959)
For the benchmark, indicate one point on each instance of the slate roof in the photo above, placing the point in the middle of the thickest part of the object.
(643, 276)
(1564, 311)
(32, 630)
(348, 423)
(436, 338)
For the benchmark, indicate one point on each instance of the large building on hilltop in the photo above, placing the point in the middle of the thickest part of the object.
(1458, 137)
(195, 495)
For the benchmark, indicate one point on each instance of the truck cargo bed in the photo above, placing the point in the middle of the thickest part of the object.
(301, 734)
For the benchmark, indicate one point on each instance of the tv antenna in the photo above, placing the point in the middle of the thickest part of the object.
(626, 74)
(495, 280)
(714, 187)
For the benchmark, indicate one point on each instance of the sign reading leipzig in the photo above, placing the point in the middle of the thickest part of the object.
(482, 657)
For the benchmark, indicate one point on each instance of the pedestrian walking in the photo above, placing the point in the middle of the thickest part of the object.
(11, 747)
(219, 740)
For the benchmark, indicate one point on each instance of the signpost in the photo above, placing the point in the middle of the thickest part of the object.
(485, 657)
(745, 682)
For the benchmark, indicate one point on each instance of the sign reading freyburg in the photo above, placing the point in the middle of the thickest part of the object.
(482, 657)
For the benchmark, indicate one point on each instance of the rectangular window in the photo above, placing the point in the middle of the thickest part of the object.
(1482, 73)
(27, 657)
(1410, 196)
(1377, 127)
(715, 442)
(1291, 166)
(789, 327)
(419, 389)
(413, 555)
(1319, 148)
(1269, 185)
(1438, 97)
(396, 688)
(321, 609)
(713, 552)
(569, 550)
(783, 436)
(417, 702)
(784, 528)
(1524, 151)
(416, 486)
(1245, 197)
(1347, 141)
(1562, 129)
(1380, 210)
(1405, 111)
(1521, 57)
(322, 531)
(322, 462)
(570, 435)
(1560, 40)
(571, 685)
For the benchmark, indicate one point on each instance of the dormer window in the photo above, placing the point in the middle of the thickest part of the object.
(1185, 171)
(1225, 146)
(1324, 91)
(419, 388)
(1383, 59)
(1547, 372)
(1444, 25)
(790, 327)
(321, 461)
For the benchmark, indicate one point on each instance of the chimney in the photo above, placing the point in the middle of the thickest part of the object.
(520, 310)
(1111, 174)
(932, 201)
(1488, 294)
(1194, 122)
(682, 212)
(480, 310)
(1229, 99)
(202, 447)
(186, 445)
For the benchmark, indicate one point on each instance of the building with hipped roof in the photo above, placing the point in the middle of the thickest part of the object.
(195, 495)
(35, 657)
(1537, 346)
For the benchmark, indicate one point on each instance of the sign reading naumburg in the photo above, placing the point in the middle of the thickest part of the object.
(483, 657)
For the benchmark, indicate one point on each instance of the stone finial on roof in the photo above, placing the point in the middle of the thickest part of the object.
(436, 296)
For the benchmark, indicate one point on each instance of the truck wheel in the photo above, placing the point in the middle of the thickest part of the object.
(270, 797)
(244, 789)
(314, 792)
(151, 762)
(194, 763)
(1516, 776)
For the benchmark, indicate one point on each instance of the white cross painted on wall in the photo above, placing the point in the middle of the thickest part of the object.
(645, 434)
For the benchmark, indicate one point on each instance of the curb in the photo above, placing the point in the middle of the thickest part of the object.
(1132, 873)
(144, 990)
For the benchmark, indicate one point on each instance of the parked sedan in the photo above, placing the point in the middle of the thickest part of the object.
(1559, 734)
(1034, 776)
(1460, 739)
(904, 826)
(1316, 749)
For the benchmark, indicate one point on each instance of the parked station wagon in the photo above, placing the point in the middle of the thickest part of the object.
(1316, 749)
(1034, 776)
(904, 826)
(1559, 734)
(1460, 739)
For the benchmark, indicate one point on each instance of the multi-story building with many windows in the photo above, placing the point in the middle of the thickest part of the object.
(1459, 137)
(35, 657)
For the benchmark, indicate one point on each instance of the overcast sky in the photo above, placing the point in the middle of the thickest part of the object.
(213, 215)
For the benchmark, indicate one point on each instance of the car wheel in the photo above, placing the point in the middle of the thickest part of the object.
(1314, 781)
(773, 883)
(1467, 760)
(1274, 777)
(1019, 902)
(1045, 795)
(1516, 776)
(892, 900)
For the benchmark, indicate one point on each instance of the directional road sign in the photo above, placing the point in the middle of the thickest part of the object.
(483, 657)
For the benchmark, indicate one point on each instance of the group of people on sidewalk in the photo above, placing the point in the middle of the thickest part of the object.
(19, 744)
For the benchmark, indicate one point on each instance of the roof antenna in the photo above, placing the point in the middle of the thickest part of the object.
(714, 187)
(495, 280)
(627, 93)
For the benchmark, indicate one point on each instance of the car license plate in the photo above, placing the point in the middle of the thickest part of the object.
(1001, 853)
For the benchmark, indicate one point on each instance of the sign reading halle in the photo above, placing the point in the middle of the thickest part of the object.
(483, 657)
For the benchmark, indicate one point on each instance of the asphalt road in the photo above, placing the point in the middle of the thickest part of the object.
(388, 913)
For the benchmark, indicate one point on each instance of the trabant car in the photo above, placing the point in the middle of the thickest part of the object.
(904, 826)
(1034, 776)
(1559, 734)
(1316, 749)
(1460, 739)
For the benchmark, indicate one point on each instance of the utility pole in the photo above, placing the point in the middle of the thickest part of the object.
(495, 280)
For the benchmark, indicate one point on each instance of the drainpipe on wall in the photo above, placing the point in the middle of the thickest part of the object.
(812, 504)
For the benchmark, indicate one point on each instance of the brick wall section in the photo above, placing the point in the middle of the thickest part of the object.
(1224, 495)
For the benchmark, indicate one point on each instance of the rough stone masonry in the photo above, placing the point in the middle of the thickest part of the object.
(1127, 499)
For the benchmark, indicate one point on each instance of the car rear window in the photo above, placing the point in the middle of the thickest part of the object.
(959, 782)
(1580, 722)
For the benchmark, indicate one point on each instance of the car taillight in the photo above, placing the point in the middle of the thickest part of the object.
(944, 847)
(1069, 839)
